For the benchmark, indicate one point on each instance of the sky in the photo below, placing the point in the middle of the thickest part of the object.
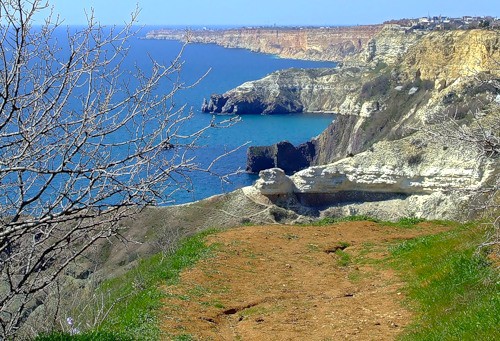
(266, 12)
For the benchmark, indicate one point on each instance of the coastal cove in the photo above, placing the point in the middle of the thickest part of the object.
(228, 68)
(249, 183)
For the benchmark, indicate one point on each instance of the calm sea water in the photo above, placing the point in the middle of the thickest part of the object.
(228, 69)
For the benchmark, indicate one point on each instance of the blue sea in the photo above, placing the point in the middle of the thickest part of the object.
(228, 69)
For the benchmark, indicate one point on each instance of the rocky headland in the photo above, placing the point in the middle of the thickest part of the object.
(401, 103)
(392, 151)
(416, 134)
(311, 43)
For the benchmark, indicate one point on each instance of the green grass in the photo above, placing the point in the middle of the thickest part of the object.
(454, 290)
(405, 222)
(344, 259)
(138, 296)
(332, 220)
(89, 336)
(344, 245)
(137, 314)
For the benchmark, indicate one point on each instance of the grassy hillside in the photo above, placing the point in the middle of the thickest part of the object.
(453, 286)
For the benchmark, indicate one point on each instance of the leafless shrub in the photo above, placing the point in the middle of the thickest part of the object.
(83, 144)
(168, 239)
(479, 130)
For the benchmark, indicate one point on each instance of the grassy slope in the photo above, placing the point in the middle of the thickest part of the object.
(138, 296)
(452, 287)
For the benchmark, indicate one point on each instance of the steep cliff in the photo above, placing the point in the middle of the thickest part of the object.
(389, 102)
(397, 88)
(452, 55)
(293, 90)
(441, 75)
(331, 43)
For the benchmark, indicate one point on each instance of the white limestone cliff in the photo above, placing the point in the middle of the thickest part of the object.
(427, 179)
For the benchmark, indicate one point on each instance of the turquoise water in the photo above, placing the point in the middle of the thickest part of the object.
(228, 69)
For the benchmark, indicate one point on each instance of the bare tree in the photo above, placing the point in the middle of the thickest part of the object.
(83, 144)
(479, 130)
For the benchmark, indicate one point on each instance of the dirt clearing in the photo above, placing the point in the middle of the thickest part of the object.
(293, 283)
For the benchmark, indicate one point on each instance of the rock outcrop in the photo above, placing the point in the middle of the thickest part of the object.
(384, 152)
(329, 44)
(403, 172)
(283, 155)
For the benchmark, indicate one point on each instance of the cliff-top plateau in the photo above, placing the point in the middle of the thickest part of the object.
(329, 44)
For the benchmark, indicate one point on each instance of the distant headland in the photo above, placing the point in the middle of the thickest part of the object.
(326, 43)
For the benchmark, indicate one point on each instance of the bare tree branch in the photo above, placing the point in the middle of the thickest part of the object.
(84, 142)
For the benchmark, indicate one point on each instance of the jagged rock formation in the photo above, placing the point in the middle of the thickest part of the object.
(283, 155)
(330, 44)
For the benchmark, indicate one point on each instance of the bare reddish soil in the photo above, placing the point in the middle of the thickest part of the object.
(290, 283)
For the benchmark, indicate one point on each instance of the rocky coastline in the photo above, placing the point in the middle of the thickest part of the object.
(393, 100)
(308, 43)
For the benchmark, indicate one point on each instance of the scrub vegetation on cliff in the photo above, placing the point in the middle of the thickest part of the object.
(129, 305)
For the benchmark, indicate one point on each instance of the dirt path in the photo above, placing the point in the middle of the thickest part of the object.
(292, 283)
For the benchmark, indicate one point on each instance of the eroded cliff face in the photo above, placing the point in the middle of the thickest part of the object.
(371, 153)
(441, 75)
(399, 89)
(411, 177)
(329, 44)
(452, 55)
(387, 46)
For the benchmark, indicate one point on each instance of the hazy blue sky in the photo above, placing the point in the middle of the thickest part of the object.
(268, 12)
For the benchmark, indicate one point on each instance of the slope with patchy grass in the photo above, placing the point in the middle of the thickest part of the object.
(293, 282)
(351, 280)
(452, 286)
